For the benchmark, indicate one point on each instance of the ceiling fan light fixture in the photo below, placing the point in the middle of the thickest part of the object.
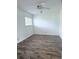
(41, 11)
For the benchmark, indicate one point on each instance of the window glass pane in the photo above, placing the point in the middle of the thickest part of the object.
(28, 21)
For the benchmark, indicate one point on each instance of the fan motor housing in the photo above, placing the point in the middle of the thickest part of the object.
(39, 6)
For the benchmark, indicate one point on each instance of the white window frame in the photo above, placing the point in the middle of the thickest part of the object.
(28, 21)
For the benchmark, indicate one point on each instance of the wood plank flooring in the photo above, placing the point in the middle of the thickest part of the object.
(40, 47)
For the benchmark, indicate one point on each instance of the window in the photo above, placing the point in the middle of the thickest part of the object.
(28, 21)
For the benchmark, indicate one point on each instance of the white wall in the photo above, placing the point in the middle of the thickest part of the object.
(60, 23)
(47, 23)
(22, 30)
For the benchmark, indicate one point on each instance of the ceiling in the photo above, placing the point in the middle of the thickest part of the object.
(30, 5)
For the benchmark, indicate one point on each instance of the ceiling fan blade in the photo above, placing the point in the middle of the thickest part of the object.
(45, 8)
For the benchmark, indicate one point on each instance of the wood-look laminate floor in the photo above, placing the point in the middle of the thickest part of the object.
(40, 47)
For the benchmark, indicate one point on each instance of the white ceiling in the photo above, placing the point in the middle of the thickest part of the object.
(30, 5)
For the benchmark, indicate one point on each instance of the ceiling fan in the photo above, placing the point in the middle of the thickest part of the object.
(41, 5)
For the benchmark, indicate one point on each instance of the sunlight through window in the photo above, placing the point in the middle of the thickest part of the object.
(28, 21)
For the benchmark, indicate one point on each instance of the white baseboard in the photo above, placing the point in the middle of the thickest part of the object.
(37, 34)
(24, 38)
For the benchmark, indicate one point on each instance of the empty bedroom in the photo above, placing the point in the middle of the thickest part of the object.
(39, 24)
